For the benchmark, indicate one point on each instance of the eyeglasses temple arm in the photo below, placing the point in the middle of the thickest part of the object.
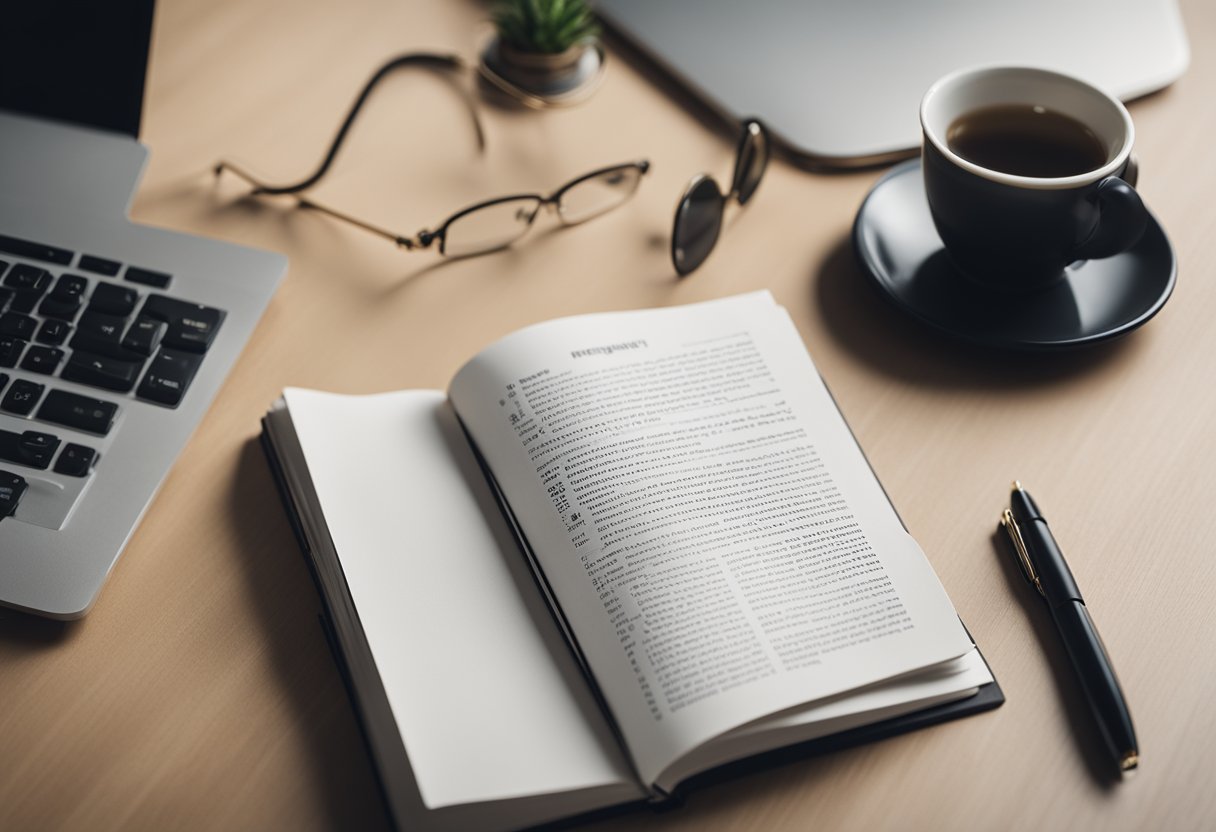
(402, 242)
(469, 102)
(425, 59)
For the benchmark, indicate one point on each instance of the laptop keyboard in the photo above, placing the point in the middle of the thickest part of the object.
(114, 329)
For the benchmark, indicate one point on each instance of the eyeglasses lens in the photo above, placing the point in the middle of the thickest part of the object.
(595, 195)
(698, 223)
(751, 162)
(489, 227)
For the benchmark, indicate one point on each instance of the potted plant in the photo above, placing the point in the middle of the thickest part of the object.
(546, 50)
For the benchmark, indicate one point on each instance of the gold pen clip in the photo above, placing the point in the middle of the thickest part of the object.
(1015, 535)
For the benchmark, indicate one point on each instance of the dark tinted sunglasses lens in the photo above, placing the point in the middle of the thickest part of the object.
(753, 159)
(698, 223)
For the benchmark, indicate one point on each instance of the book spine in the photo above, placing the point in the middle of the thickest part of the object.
(324, 615)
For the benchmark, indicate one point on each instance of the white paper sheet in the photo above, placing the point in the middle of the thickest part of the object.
(487, 700)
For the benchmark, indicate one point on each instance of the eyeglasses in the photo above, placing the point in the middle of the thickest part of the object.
(496, 223)
(699, 213)
(484, 226)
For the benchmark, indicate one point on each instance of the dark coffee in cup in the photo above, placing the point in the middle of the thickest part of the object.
(1026, 171)
(1026, 140)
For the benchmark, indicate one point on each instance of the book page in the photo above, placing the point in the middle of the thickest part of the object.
(947, 682)
(488, 702)
(714, 535)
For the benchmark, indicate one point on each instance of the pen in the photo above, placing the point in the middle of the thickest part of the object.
(1044, 567)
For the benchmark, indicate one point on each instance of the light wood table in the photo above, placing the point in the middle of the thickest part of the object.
(200, 693)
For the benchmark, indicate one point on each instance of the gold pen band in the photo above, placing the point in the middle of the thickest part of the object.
(1015, 535)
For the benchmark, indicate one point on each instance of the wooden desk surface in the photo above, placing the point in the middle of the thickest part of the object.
(200, 693)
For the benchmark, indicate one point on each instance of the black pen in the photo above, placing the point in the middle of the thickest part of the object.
(1044, 567)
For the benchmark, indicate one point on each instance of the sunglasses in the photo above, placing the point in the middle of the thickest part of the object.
(700, 211)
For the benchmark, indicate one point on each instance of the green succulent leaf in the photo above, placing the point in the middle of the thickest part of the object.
(547, 26)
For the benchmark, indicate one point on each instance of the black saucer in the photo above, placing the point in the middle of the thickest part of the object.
(1097, 300)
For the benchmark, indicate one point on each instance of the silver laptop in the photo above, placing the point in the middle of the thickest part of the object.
(840, 83)
(114, 337)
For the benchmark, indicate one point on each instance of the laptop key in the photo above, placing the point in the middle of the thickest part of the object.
(31, 448)
(144, 336)
(99, 265)
(28, 284)
(53, 332)
(102, 371)
(65, 299)
(75, 460)
(6, 294)
(70, 286)
(26, 278)
(113, 300)
(35, 251)
(21, 397)
(53, 307)
(82, 413)
(100, 333)
(168, 376)
(38, 448)
(17, 325)
(192, 326)
(40, 359)
(147, 277)
(12, 487)
(24, 302)
(10, 351)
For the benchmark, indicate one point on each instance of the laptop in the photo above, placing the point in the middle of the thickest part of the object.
(114, 337)
(839, 83)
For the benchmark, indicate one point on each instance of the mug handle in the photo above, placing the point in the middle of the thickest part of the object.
(1122, 217)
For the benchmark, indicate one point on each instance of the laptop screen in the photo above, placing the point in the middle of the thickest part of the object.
(76, 61)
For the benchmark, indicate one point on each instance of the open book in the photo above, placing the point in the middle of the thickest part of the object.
(622, 550)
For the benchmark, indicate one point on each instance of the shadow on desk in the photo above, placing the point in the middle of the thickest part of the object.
(25, 633)
(869, 327)
(281, 590)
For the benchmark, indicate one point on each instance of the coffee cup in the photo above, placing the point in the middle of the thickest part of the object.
(1027, 171)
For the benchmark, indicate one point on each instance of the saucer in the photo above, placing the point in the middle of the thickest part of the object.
(1096, 300)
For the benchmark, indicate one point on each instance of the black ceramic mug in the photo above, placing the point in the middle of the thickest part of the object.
(1016, 231)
